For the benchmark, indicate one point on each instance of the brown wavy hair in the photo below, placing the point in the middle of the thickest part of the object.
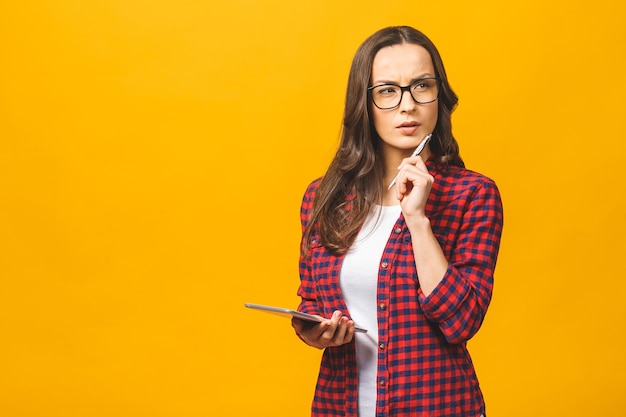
(355, 170)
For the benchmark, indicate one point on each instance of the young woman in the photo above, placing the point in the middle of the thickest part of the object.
(412, 264)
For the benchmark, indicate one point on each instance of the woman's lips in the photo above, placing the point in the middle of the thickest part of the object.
(408, 128)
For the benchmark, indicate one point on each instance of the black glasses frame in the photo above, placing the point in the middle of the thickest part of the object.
(403, 89)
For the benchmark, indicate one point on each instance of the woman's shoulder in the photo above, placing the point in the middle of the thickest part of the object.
(453, 173)
(458, 188)
(313, 185)
(311, 189)
(458, 181)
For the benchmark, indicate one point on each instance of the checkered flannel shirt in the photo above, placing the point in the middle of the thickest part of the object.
(424, 368)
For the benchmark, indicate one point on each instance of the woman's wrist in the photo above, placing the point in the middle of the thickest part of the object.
(418, 224)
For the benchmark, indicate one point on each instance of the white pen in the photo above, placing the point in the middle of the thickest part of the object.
(416, 152)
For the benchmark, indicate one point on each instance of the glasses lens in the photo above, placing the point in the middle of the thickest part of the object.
(425, 90)
(388, 96)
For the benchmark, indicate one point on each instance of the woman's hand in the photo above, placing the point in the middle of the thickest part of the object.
(413, 187)
(336, 331)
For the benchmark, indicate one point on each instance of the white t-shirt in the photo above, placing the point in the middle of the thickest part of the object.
(358, 282)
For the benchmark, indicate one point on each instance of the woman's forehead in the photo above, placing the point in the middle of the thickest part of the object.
(396, 62)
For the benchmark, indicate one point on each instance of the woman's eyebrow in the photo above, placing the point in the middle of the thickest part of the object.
(377, 82)
(421, 77)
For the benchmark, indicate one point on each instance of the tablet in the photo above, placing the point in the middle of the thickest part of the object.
(292, 313)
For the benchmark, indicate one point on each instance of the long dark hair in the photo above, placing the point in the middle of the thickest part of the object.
(354, 171)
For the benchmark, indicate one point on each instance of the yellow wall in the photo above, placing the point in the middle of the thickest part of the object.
(153, 154)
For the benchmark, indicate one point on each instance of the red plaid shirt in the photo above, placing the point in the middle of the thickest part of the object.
(424, 368)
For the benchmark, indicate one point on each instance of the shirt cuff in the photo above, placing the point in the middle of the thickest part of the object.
(442, 303)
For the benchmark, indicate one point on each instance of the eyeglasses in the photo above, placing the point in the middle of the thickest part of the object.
(388, 96)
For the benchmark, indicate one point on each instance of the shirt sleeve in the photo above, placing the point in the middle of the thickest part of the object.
(306, 290)
(459, 302)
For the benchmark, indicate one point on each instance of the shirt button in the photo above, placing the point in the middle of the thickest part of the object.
(382, 346)
(385, 264)
(382, 306)
(381, 382)
(397, 230)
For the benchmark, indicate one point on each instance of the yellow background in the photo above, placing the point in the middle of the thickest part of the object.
(153, 154)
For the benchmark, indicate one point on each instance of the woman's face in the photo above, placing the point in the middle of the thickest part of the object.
(403, 127)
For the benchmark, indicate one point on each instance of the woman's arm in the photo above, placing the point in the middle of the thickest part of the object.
(459, 302)
(338, 329)
(456, 291)
(414, 184)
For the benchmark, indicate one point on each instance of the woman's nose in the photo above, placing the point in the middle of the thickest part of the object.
(407, 104)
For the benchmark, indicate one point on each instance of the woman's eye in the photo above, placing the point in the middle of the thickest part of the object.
(422, 85)
(386, 91)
